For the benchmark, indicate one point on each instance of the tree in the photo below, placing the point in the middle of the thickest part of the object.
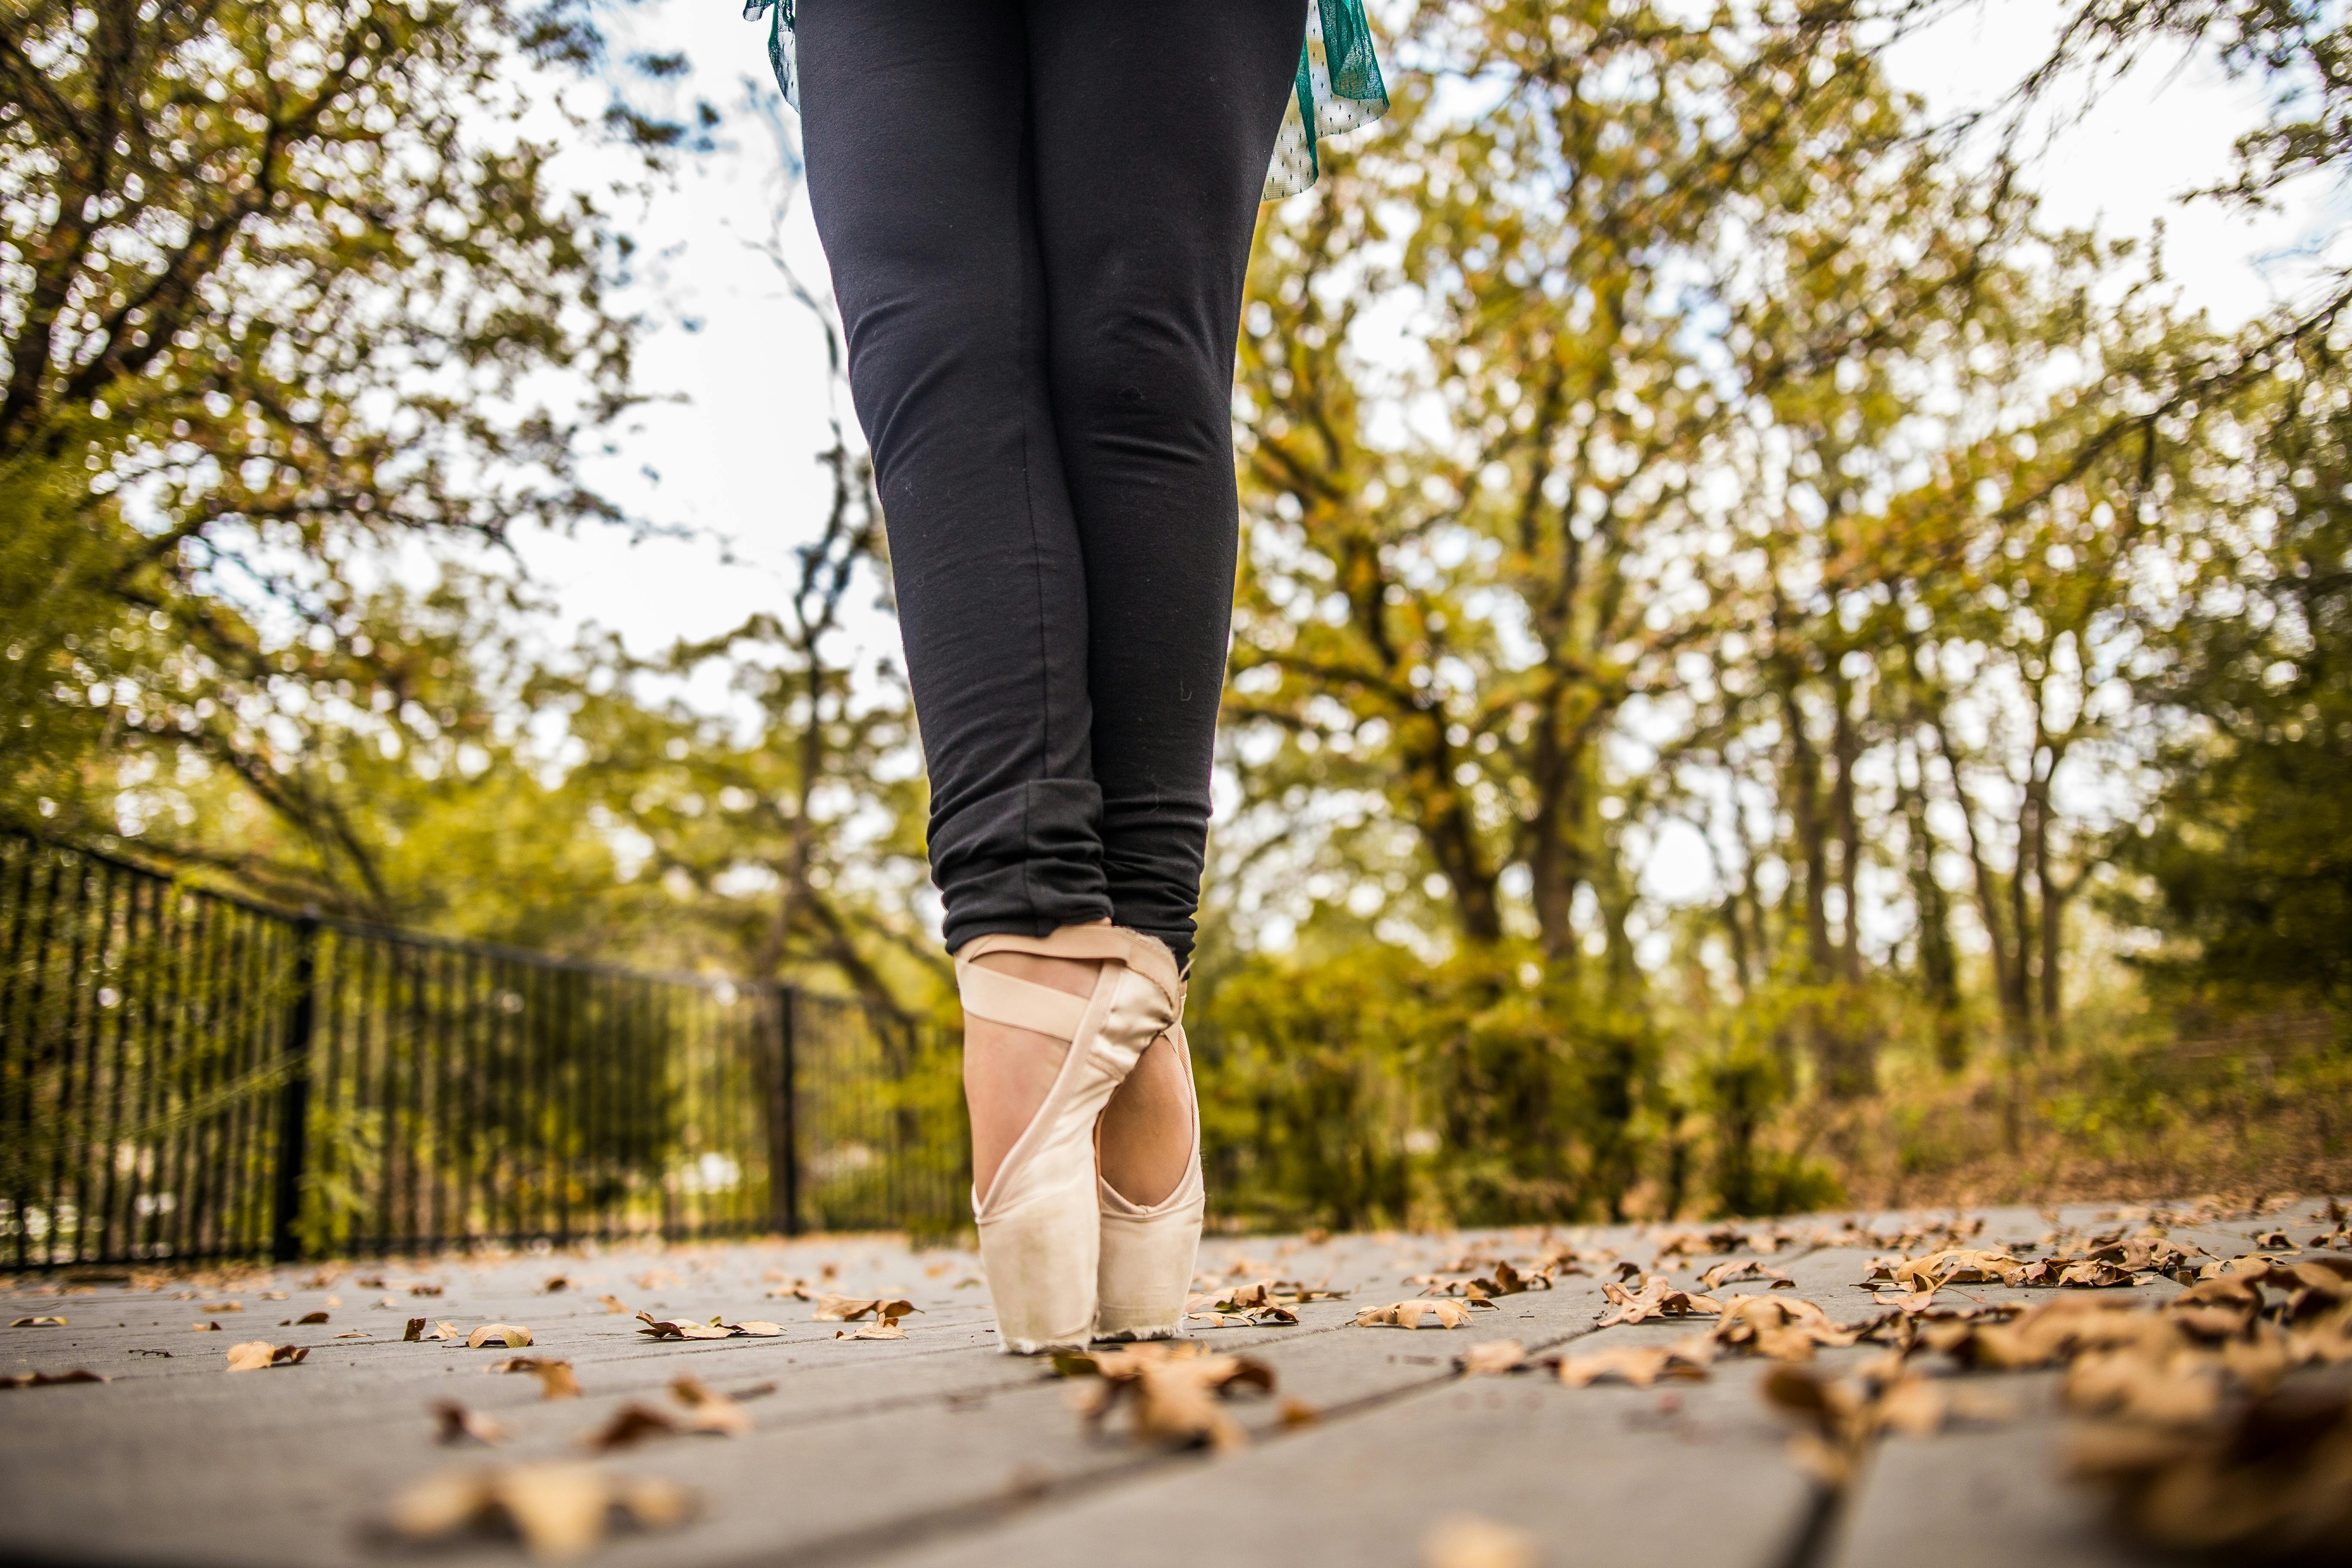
(278, 280)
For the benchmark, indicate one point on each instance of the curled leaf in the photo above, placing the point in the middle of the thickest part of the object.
(460, 1424)
(555, 1378)
(513, 1336)
(559, 1509)
(257, 1355)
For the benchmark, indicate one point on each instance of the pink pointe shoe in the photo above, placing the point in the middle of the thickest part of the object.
(1041, 1233)
(1148, 1252)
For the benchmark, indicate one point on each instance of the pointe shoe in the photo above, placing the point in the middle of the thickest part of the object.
(1148, 1252)
(1040, 1239)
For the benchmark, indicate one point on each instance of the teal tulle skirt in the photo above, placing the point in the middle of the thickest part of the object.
(1338, 86)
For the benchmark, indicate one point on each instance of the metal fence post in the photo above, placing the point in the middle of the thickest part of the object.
(783, 1129)
(294, 1095)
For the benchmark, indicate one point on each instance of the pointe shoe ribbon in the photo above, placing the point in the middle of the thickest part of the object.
(1148, 1251)
(1040, 1238)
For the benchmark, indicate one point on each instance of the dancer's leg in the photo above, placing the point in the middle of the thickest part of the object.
(1155, 122)
(915, 121)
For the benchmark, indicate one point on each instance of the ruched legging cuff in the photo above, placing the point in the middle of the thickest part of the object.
(1038, 214)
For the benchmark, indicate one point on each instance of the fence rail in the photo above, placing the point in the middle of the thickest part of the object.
(188, 1075)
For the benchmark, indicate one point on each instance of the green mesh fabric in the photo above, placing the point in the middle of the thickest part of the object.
(1339, 85)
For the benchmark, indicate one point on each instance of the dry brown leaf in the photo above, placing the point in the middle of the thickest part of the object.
(424, 1288)
(1175, 1389)
(556, 1282)
(513, 1336)
(49, 1379)
(1296, 1412)
(1642, 1366)
(222, 1307)
(1659, 1296)
(656, 1279)
(445, 1329)
(413, 1333)
(1491, 1357)
(704, 1411)
(891, 1331)
(833, 1308)
(708, 1410)
(559, 1509)
(2270, 1478)
(257, 1355)
(1418, 1314)
(307, 1318)
(1785, 1328)
(663, 1330)
(460, 1424)
(613, 1304)
(1465, 1541)
(555, 1378)
(205, 1328)
(38, 1323)
(756, 1329)
(1733, 1273)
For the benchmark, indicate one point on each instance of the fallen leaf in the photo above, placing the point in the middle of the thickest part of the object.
(757, 1330)
(1785, 1328)
(38, 1323)
(421, 1289)
(555, 1378)
(1296, 1412)
(1493, 1356)
(354, 1334)
(559, 1509)
(710, 1411)
(256, 1355)
(703, 1410)
(556, 1282)
(47, 1379)
(458, 1424)
(661, 1329)
(1658, 1298)
(872, 1331)
(222, 1307)
(1419, 1314)
(1465, 1541)
(1733, 1273)
(415, 1331)
(205, 1328)
(445, 1329)
(311, 1318)
(2271, 1477)
(514, 1336)
(612, 1305)
(1175, 1390)
(833, 1308)
(1642, 1366)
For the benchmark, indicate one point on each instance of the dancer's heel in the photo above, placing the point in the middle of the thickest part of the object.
(1149, 1251)
(1040, 1236)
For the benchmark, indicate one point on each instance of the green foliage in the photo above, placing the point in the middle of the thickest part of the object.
(1368, 1087)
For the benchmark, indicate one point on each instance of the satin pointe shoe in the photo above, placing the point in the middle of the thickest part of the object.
(1148, 1252)
(1040, 1236)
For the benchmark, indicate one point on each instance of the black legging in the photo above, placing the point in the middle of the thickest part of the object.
(1038, 214)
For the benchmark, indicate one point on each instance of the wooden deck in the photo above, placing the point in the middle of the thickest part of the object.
(936, 1450)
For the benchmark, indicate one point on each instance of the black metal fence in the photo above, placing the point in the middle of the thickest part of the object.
(188, 1075)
